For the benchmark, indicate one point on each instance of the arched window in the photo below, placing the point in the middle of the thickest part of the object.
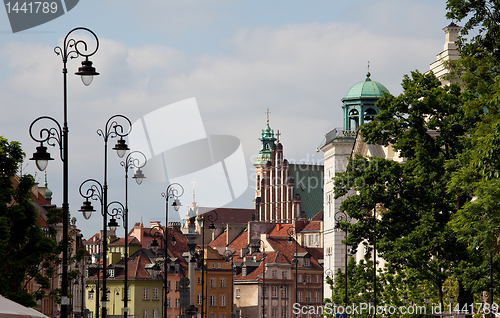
(369, 114)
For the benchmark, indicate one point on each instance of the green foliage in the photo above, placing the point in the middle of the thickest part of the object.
(26, 254)
(428, 126)
(481, 18)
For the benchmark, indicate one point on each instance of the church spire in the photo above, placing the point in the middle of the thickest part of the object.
(267, 141)
(48, 193)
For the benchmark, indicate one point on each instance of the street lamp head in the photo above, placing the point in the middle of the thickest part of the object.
(112, 224)
(87, 209)
(177, 204)
(41, 157)
(405, 299)
(121, 147)
(87, 72)
(139, 176)
(290, 240)
(212, 227)
(426, 299)
(337, 226)
(155, 245)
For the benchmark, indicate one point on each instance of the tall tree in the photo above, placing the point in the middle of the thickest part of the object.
(26, 254)
(428, 126)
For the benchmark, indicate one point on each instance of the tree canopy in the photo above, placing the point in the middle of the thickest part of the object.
(26, 253)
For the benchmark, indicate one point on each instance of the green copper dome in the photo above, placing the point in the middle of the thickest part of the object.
(366, 89)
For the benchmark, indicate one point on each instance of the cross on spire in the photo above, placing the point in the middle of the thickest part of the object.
(193, 183)
(278, 134)
(267, 113)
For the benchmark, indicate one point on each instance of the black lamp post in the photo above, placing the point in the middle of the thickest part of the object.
(174, 191)
(113, 129)
(129, 162)
(341, 216)
(262, 245)
(211, 218)
(366, 206)
(160, 232)
(291, 232)
(55, 135)
(228, 257)
(96, 191)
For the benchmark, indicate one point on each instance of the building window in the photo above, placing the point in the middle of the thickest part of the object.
(91, 295)
(284, 274)
(223, 300)
(223, 282)
(199, 280)
(213, 282)
(169, 304)
(238, 293)
(111, 272)
(218, 265)
(299, 278)
(299, 296)
(155, 293)
(177, 302)
(316, 297)
(169, 285)
(284, 291)
(200, 299)
(222, 316)
(145, 313)
(145, 295)
(212, 316)
(308, 297)
(274, 313)
(213, 265)
(307, 262)
(274, 273)
(155, 313)
(213, 301)
(274, 291)
(123, 294)
(318, 243)
(311, 239)
(308, 278)
(265, 291)
(318, 278)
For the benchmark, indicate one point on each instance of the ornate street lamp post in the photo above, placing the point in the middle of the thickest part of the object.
(228, 257)
(116, 126)
(129, 162)
(292, 235)
(174, 191)
(55, 135)
(160, 232)
(341, 216)
(96, 191)
(261, 244)
(211, 218)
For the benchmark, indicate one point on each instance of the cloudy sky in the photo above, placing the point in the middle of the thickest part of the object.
(237, 58)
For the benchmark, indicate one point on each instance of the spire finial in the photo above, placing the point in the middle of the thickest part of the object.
(193, 183)
(278, 134)
(368, 71)
(267, 113)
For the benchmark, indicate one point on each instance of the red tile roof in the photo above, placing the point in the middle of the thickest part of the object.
(312, 226)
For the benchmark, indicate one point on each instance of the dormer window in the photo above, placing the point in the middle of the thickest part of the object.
(307, 262)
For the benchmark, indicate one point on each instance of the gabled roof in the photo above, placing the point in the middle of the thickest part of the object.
(137, 263)
(121, 241)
